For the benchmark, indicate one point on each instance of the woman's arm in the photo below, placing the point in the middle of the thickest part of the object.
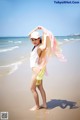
(33, 31)
(38, 28)
(43, 45)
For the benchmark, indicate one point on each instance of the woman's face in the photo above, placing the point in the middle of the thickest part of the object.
(35, 42)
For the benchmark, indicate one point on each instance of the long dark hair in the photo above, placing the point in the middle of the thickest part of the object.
(40, 40)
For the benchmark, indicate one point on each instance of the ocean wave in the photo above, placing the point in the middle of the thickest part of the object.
(8, 49)
(11, 68)
(65, 41)
(10, 41)
(16, 42)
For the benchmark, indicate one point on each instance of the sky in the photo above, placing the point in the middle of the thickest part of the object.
(19, 17)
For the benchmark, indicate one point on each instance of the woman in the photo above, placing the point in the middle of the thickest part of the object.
(42, 50)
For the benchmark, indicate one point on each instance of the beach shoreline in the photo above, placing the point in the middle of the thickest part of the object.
(62, 86)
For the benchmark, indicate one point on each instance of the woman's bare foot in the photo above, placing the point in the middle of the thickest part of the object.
(44, 106)
(35, 108)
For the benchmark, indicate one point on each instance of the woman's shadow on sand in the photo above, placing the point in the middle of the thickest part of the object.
(62, 104)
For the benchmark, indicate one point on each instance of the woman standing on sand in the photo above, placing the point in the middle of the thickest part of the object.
(43, 48)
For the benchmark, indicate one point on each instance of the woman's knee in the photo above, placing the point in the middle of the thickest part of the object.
(33, 85)
(32, 88)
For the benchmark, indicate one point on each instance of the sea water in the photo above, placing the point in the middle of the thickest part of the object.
(14, 51)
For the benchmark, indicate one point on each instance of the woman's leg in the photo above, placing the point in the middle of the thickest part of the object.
(43, 94)
(35, 94)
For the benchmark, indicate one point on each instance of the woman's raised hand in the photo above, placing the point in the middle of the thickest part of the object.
(37, 28)
(32, 31)
(40, 27)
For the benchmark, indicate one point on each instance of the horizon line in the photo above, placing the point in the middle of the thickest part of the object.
(28, 36)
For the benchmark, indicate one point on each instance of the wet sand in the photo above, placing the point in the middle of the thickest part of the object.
(62, 86)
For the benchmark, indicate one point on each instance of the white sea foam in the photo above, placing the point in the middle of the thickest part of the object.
(8, 49)
(66, 39)
(19, 42)
(11, 68)
(10, 41)
(69, 41)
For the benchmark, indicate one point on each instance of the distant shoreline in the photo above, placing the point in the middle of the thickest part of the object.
(27, 36)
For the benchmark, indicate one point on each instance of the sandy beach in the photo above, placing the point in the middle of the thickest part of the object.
(62, 86)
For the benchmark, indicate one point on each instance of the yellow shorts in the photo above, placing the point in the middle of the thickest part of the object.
(40, 76)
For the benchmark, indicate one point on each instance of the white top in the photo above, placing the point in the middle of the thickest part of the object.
(34, 58)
